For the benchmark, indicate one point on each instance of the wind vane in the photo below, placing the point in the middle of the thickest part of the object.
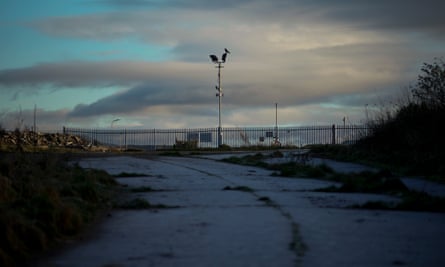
(223, 57)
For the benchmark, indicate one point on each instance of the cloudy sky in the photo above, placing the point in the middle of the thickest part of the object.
(85, 63)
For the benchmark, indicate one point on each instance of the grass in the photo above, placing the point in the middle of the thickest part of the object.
(173, 153)
(239, 188)
(366, 182)
(381, 182)
(140, 203)
(410, 201)
(428, 165)
(130, 174)
(43, 200)
(264, 199)
(250, 160)
(292, 169)
(145, 189)
(268, 202)
(142, 189)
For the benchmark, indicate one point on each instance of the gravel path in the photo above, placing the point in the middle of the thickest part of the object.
(279, 223)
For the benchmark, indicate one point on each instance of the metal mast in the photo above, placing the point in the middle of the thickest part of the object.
(219, 93)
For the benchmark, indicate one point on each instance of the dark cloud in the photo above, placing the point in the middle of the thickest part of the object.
(68, 74)
(395, 14)
(103, 26)
(156, 26)
(200, 4)
(390, 15)
(142, 97)
(91, 74)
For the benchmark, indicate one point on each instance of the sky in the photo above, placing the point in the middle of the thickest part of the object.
(145, 63)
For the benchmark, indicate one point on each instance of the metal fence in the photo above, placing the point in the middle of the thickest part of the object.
(155, 139)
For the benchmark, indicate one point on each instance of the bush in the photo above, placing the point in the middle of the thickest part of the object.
(412, 140)
(411, 136)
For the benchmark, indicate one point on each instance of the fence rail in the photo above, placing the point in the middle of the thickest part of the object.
(154, 139)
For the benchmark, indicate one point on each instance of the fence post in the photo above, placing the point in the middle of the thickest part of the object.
(125, 138)
(333, 134)
(154, 138)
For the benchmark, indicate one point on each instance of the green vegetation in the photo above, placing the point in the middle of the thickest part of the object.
(292, 169)
(382, 182)
(409, 134)
(140, 203)
(142, 189)
(173, 153)
(145, 189)
(250, 160)
(410, 200)
(288, 169)
(238, 188)
(130, 174)
(44, 200)
(366, 182)
(225, 147)
(406, 136)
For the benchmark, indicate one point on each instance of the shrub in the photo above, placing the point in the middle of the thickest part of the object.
(410, 136)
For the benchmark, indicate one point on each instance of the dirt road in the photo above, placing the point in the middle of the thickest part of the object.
(262, 221)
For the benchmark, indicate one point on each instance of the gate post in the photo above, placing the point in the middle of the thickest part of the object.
(333, 134)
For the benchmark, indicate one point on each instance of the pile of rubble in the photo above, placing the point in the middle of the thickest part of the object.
(29, 138)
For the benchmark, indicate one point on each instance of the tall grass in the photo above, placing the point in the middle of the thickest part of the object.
(43, 200)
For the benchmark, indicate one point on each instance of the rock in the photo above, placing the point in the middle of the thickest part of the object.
(29, 138)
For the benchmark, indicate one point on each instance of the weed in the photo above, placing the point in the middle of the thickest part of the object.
(225, 147)
(366, 182)
(136, 203)
(289, 169)
(130, 174)
(292, 169)
(142, 189)
(239, 188)
(412, 201)
(174, 153)
(420, 201)
(233, 159)
(265, 199)
(140, 203)
(250, 160)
